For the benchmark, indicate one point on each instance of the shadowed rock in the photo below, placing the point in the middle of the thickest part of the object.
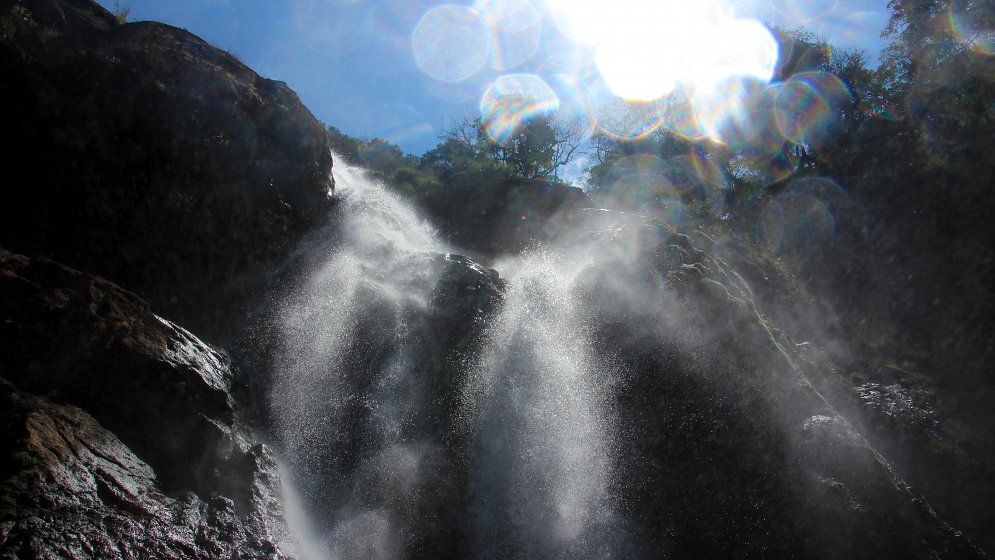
(72, 489)
(120, 425)
(144, 154)
(505, 216)
(735, 451)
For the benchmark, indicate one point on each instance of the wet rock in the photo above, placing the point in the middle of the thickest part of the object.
(503, 217)
(899, 408)
(72, 489)
(405, 332)
(147, 156)
(731, 448)
(121, 428)
(465, 297)
(81, 339)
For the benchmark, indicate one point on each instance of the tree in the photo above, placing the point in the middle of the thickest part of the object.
(345, 146)
(535, 148)
(121, 12)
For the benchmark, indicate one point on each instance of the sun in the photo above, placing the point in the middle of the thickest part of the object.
(645, 48)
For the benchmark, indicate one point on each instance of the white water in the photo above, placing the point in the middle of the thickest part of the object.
(372, 278)
(349, 399)
(541, 476)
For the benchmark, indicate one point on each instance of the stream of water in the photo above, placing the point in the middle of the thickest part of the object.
(351, 408)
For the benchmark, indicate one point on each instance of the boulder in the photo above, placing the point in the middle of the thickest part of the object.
(144, 154)
(72, 489)
(502, 217)
(121, 426)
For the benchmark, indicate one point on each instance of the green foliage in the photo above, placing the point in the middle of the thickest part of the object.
(345, 146)
(466, 159)
(16, 20)
(529, 152)
(385, 160)
(535, 148)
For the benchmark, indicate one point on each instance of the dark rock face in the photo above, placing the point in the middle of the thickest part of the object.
(147, 156)
(465, 297)
(504, 217)
(119, 430)
(913, 415)
(438, 336)
(735, 452)
(899, 408)
(72, 489)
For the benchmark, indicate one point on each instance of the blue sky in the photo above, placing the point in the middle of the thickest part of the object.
(366, 66)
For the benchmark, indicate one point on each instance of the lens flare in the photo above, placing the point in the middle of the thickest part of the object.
(451, 43)
(511, 101)
(509, 15)
(697, 194)
(737, 112)
(679, 119)
(705, 158)
(801, 13)
(575, 103)
(801, 220)
(977, 36)
(629, 120)
(806, 106)
(641, 182)
(405, 15)
(644, 49)
(640, 69)
(515, 27)
(763, 169)
(800, 111)
(735, 48)
(580, 20)
(829, 86)
(513, 48)
(644, 168)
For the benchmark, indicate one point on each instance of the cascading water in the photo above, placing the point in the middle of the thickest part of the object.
(618, 395)
(345, 401)
(356, 416)
(542, 471)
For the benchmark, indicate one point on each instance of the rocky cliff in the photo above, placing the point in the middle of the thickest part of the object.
(119, 439)
(739, 450)
(149, 157)
(143, 154)
(502, 216)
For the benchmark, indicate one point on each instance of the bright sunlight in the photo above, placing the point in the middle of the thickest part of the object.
(646, 48)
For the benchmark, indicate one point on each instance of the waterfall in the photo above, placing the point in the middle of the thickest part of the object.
(525, 461)
(542, 471)
(345, 400)
(616, 394)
